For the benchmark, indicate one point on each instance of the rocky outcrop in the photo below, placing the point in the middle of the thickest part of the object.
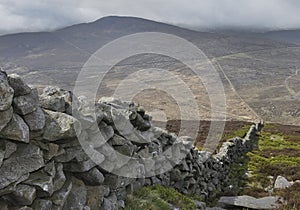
(53, 158)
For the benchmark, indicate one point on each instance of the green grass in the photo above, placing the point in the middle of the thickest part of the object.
(276, 154)
(158, 198)
(238, 133)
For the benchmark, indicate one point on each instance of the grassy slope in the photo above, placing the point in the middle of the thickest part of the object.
(277, 153)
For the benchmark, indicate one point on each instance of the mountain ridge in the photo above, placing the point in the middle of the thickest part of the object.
(258, 67)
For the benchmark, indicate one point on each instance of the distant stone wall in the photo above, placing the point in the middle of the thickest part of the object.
(43, 165)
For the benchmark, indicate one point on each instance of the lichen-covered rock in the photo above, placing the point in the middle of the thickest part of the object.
(5, 117)
(6, 92)
(55, 99)
(26, 104)
(16, 129)
(26, 159)
(19, 86)
(60, 126)
(35, 120)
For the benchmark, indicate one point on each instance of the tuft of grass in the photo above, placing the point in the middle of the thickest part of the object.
(158, 198)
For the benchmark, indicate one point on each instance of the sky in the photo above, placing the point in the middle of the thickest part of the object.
(41, 15)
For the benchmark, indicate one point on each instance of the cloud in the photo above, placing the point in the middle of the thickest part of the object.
(36, 15)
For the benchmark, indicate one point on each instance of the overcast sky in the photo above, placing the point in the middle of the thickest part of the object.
(37, 15)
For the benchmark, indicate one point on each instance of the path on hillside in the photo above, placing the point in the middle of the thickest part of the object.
(214, 61)
(286, 82)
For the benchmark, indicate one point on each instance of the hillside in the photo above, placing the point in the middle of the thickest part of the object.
(291, 36)
(262, 72)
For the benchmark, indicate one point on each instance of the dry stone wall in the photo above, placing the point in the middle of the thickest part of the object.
(43, 165)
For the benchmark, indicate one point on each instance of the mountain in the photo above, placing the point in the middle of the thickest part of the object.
(259, 74)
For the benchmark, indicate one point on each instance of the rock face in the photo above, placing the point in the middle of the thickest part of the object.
(60, 126)
(19, 86)
(26, 104)
(51, 159)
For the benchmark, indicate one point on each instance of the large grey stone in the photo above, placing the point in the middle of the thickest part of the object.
(106, 131)
(79, 166)
(86, 112)
(52, 151)
(42, 181)
(92, 178)
(55, 99)
(42, 204)
(124, 127)
(26, 159)
(22, 195)
(6, 92)
(12, 187)
(7, 148)
(117, 182)
(16, 129)
(19, 86)
(117, 140)
(60, 126)
(250, 202)
(59, 197)
(95, 196)
(35, 120)
(77, 196)
(26, 104)
(281, 183)
(5, 117)
(60, 178)
(110, 203)
(69, 154)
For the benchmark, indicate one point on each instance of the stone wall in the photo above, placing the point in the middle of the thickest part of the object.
(51, 159)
